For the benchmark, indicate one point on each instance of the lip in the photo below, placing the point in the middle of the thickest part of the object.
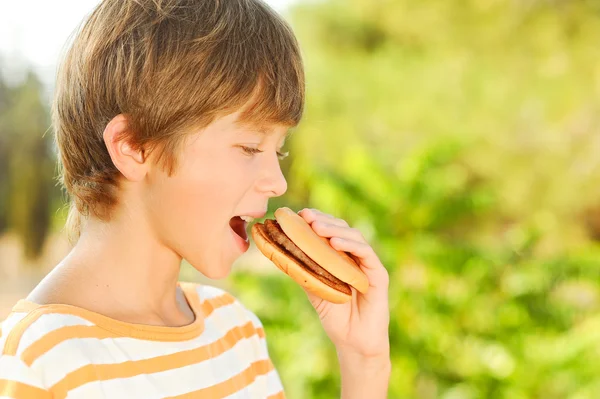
(255, 215)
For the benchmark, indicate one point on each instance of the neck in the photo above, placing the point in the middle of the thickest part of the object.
(128, 267)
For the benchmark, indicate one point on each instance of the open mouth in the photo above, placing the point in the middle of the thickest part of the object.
(239, 224)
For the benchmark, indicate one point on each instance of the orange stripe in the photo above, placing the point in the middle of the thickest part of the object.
(14, 389)
(211, 304)
(233, 384)
(102, 372)
(53, 338)
(261, 332)
(14, 337)
(24, 306)
(279, 395)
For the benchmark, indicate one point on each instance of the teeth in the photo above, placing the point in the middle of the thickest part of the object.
(247, 218)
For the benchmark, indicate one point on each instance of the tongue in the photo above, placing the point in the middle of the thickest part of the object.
(239, 227)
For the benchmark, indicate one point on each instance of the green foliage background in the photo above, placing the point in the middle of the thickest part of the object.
(28, 194)
(462, 138)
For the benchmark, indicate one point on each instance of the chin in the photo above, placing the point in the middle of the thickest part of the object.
(217, 274)
(214, 273)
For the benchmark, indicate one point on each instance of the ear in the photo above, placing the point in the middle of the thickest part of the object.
(130, 162)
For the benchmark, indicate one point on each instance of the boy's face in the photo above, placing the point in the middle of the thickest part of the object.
(216, 180)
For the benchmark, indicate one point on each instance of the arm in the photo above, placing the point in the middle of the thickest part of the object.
(359, 328)
(364, 377)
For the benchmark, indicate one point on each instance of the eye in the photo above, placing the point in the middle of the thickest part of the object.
(252, 151)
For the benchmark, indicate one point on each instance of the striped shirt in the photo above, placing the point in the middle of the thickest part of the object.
(63, 351)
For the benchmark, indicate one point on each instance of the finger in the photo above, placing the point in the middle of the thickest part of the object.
(325, 229)
(361, 251)
(311, 215)
(366, 258)
(370, 264)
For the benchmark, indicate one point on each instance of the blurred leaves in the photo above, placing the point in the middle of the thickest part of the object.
(27, 164)
(462, 139)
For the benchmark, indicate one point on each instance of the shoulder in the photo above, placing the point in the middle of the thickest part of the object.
(240, 330)
(25, 335)
(29, 324)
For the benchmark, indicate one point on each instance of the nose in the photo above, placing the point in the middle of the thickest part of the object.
(273, 181)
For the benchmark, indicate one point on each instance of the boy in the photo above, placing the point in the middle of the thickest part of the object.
(170, 116)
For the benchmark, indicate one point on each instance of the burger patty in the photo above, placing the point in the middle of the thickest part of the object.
(278, 237)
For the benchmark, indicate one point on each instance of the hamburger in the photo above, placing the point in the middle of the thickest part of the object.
(291, 243)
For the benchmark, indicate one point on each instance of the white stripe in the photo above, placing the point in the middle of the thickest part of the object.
(47, 323)
(173, 382)
(8, 324)
(208, 291)
(77, 352)
(258, 324)
(13, 369)
(273, 383)
(264, 386)
(255, 320)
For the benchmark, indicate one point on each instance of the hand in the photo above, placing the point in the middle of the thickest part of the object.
(358, 328)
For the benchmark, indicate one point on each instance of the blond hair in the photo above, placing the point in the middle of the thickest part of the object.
(170, 66)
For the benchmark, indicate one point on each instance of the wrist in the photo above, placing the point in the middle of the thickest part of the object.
(364, 376)
(364, 364)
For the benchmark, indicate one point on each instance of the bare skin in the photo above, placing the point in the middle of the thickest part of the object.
(359, 328)
(128, 268)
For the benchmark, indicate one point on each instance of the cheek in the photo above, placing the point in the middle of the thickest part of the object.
(198, 200)
(195, 204)
(185, 218)
(190, 211)
(194, 199)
